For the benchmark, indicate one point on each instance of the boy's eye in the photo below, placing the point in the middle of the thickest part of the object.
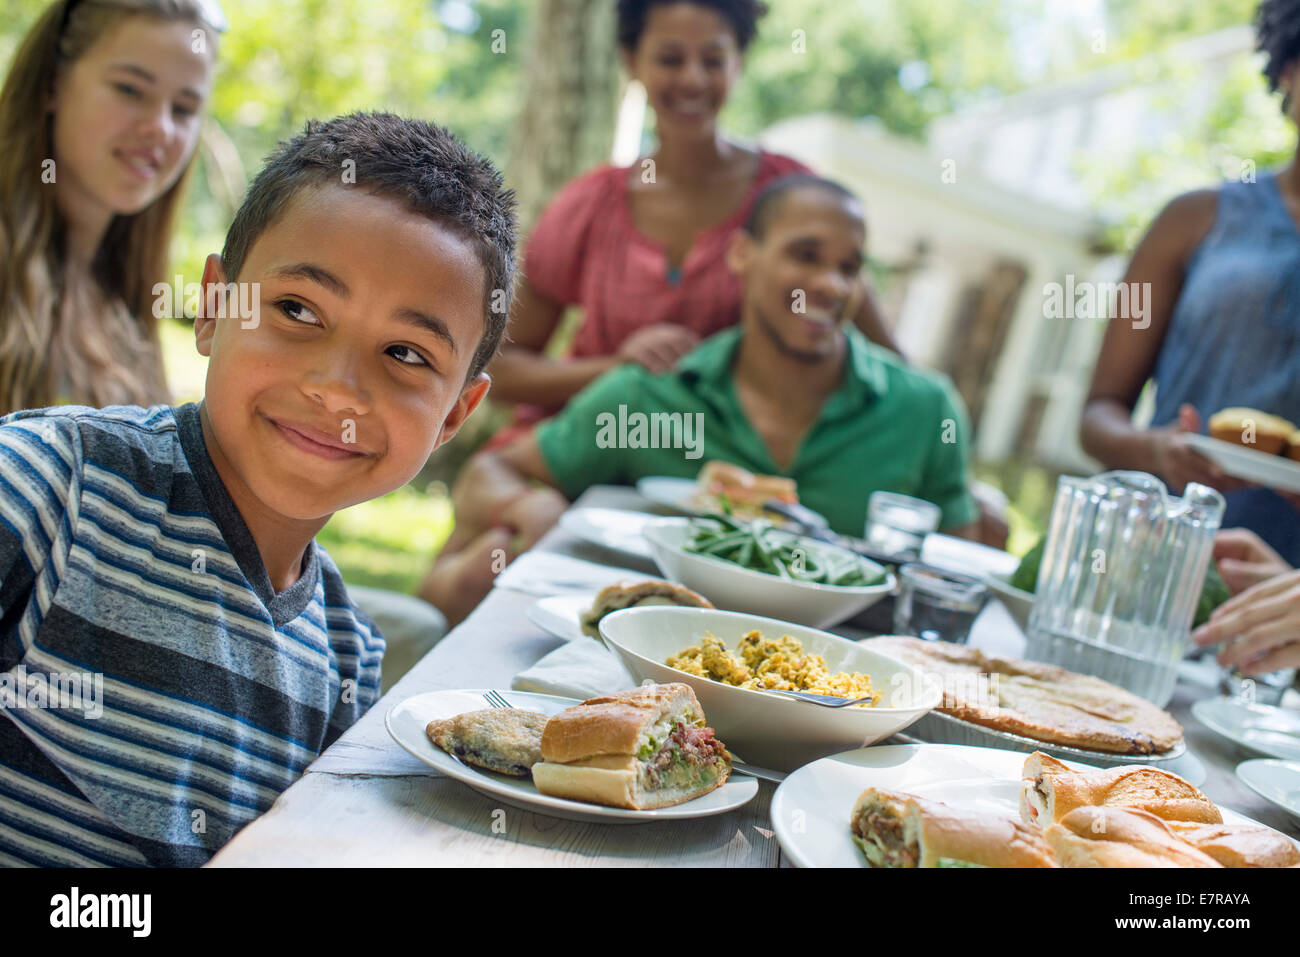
(297, 311)
(127, 90)
(406, 355)
(184, 111)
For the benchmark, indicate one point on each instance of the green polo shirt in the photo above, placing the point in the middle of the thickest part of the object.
(888, 427)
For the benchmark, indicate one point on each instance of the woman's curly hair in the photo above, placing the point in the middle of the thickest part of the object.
(742, 15)
(1277, 32)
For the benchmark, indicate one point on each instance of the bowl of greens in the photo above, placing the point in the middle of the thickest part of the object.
(754, 567)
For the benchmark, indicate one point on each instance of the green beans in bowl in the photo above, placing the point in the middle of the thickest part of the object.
(753, 567)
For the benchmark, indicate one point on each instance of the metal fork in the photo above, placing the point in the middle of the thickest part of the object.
(824, 700)
(495, 700)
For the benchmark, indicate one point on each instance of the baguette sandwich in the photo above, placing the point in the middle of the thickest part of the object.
(639, 749)
(1239, 845)
(614, 598)
(1120, 837)
(1051, 790)
(741, 487)
(901, 830)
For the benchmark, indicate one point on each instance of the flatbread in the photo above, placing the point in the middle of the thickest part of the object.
(1036, 700)
(505, 740)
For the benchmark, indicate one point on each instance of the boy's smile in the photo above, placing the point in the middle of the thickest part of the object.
(354, 370)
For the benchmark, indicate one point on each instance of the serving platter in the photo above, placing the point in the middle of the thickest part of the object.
(811, 808)
(407, 720)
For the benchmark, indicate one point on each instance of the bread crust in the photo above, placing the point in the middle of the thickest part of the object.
(1120, 837)
(613, 723)
(1059, 791)
(1036, 700)
(616, 788)
(1239, 845)
(941, 831)
(622, 595)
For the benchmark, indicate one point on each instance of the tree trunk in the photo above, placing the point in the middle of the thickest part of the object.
(566, 119)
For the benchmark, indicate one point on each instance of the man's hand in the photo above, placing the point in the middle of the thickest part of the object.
(532, 515)
(658, 347)
(1261, 627)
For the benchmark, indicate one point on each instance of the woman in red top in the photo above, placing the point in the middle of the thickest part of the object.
(640, 249)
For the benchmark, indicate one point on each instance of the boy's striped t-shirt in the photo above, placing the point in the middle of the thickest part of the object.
(156, 694)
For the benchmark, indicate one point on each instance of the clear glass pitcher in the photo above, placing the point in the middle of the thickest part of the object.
(1121, 574)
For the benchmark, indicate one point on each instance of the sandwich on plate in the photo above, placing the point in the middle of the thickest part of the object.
(616, 597)
(902, 830)
(1120, 837)
(1051, 790)
(639, 749)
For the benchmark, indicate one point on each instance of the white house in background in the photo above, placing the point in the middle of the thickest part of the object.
(980, 219)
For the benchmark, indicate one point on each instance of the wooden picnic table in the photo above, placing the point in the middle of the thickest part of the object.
(366, 802)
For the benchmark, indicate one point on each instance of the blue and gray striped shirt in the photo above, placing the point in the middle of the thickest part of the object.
(156, 694)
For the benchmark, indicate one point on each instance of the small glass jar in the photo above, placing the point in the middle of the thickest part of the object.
(936, 604)
(897, 524)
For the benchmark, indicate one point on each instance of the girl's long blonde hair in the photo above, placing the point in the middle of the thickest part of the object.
(91, 346)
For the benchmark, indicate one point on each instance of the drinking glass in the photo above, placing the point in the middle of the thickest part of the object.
(936, 604)
(897, 524)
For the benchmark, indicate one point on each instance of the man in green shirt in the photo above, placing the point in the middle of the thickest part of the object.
(793, 390)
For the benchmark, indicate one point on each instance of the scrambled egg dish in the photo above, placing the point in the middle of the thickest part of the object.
(780, 664)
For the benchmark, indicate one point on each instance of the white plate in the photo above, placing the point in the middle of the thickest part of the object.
(770, 730)
(1259, 728)
(406, 722)
(669, 492)
(811, 808)
(1274, 781)
(558, 615)
(734, 587)
(967, 557)
(1272, 471)
(613, 528)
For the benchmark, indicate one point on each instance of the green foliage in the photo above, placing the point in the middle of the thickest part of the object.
(389, 542)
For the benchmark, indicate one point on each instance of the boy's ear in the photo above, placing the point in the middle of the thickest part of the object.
(205, 326)
(467, 402)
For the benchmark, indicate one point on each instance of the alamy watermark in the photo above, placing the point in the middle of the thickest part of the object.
(1098, 300)
(653, 430)
(74, 691)
(232, 300)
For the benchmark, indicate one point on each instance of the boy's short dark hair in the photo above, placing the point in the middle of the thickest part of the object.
(768, 200)
(418, 163)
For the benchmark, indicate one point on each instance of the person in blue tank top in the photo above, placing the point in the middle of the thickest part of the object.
(1222, 326)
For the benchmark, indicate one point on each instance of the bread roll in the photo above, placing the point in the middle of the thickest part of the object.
(1120, 837)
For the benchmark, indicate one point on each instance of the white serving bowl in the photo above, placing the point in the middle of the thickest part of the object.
(760, 727)
(728, 585)
(1017, 601)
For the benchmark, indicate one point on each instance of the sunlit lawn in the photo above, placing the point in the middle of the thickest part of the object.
(385, 543)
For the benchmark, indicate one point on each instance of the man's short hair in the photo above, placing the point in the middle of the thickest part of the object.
(420, 164)
(768, 202)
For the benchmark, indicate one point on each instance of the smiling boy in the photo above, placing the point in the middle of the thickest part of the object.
(170, 551)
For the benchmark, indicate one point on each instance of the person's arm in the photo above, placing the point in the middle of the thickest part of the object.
(946, 481)
(1131, 347)
(522, 372)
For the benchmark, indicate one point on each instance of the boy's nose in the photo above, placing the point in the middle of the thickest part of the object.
(338, 388)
